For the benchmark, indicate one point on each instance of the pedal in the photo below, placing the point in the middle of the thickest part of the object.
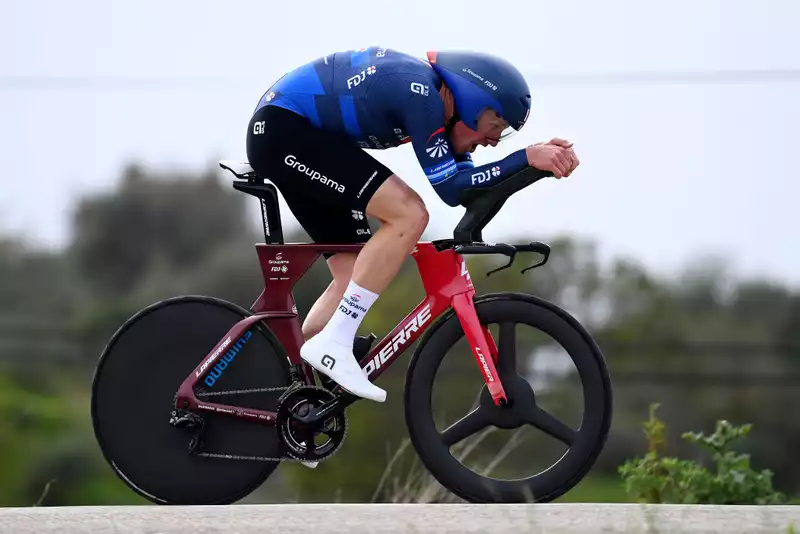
(309, 464)
(362, 344)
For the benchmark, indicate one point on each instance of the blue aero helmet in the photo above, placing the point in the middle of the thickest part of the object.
(479, 81)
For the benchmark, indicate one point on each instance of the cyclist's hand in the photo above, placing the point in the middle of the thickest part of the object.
(556, 156)
(558, 142)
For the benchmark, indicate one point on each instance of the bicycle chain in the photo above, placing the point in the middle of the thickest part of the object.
(202, 393)
(241, 457)
(227, 456)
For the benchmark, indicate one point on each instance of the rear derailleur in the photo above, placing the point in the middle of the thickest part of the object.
(185, 419)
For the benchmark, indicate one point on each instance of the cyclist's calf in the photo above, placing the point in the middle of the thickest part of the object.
(341, 267)
(403, 218)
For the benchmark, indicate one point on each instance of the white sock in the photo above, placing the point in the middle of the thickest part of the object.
(354, 305)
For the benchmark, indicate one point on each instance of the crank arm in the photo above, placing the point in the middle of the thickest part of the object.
(318, 415)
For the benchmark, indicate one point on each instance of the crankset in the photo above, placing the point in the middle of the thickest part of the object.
(310, 430)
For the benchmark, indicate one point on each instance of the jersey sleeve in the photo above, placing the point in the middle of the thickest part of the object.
(448, 173)
(486, 175)
(464, 161)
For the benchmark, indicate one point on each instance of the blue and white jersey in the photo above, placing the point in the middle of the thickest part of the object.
(382, 98)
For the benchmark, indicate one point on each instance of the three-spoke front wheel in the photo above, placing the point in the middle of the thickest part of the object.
(528, 332)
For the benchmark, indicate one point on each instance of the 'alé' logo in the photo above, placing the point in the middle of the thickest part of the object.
(225, 360)
(420, 89)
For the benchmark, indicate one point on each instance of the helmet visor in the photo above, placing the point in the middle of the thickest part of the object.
(507, 132)
(493, 126)
(499, 130)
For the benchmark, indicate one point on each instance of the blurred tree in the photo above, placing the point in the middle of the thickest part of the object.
(34, 281)
(155, 222)
(696, 343)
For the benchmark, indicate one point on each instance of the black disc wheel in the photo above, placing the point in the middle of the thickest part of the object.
(557, 419)
(134, 391)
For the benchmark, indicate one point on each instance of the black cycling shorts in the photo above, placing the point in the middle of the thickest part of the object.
(325, 178)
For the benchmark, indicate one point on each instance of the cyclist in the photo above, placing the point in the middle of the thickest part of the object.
(307, 134)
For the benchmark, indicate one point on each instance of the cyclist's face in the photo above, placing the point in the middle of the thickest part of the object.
(490, 126)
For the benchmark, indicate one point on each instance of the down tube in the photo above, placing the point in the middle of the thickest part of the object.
(404, 335)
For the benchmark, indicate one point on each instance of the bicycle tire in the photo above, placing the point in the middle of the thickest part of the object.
(133, 389)
(570, 469)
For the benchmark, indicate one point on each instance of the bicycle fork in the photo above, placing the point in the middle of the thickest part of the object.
(481, 343)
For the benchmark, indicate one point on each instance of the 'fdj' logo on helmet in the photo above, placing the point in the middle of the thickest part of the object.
(226, 359)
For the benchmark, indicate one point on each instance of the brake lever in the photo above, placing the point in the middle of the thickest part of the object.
(506, 266)
(539, 247)
(483, 248)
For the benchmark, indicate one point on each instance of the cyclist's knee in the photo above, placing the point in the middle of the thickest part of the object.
(397, 205)
(417, 218)
(410, 219)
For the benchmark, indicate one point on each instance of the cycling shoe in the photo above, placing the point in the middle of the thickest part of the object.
(337, 362)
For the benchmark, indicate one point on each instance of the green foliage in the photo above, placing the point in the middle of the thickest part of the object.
(157, 236)
(664, 479)
(49, 456)
(151, 224)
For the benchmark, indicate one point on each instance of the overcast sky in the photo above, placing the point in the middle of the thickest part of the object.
(685, 114)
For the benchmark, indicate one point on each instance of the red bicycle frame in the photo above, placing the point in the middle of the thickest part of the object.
(447, 284)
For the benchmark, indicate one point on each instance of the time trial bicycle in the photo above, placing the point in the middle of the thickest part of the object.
(196, 400)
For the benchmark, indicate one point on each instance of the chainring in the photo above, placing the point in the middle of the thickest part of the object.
(296, 436)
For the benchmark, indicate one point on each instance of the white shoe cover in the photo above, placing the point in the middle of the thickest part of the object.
(337, 362)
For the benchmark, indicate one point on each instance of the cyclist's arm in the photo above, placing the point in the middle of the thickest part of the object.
(487, 175)
(464, 161)
(424, 122)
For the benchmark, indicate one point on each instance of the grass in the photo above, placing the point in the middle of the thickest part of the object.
(405, 481)
(416, 485)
